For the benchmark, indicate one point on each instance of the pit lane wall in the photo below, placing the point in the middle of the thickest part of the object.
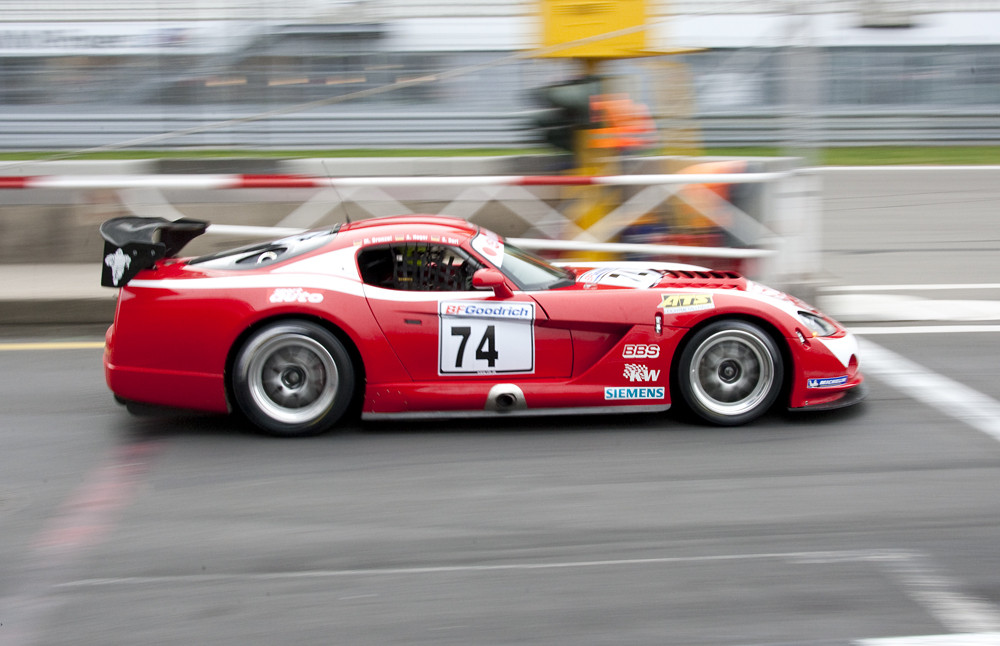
(770, 223)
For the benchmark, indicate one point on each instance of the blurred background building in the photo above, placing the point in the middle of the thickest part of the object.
(409, 73)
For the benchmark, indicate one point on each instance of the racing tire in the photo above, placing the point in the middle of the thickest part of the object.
(730, 373)
(293, 379)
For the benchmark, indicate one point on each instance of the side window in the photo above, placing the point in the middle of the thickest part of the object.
(417, 266)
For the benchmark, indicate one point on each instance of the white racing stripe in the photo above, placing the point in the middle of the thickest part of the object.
(949, 397)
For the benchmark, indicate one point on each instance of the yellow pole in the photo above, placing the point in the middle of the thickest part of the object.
(590, 204)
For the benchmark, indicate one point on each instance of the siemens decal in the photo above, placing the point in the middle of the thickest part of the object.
(629, 392)
(515, 311)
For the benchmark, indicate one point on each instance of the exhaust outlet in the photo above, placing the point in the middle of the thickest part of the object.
(505, 397)
(505, 401)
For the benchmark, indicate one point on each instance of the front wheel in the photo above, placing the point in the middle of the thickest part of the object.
(293, 378)
(730, 373)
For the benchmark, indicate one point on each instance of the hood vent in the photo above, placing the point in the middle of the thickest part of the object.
(703, 279)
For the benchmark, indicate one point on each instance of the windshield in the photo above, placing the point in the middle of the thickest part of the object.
(532, 273)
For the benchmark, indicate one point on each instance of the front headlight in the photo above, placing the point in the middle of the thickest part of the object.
(818, 325)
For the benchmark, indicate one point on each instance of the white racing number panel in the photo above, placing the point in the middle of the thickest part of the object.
(477, 337)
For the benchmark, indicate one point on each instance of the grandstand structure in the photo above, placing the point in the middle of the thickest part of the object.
(402, 73)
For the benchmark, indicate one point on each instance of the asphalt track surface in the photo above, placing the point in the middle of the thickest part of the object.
(876, 522)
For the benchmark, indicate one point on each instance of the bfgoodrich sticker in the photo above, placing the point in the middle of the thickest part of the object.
(629, 392)
(489, 310)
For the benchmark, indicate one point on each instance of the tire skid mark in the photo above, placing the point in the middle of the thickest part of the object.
(87, 516)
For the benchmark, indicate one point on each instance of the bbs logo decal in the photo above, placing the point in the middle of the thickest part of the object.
(680, 303)
(640, 351)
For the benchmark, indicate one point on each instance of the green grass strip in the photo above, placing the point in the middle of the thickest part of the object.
(859, 156)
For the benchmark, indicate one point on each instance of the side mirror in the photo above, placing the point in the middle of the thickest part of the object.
(486, 278)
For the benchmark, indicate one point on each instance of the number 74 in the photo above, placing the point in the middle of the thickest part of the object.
(486, 350)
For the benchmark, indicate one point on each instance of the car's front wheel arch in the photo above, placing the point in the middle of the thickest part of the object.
(685, 401)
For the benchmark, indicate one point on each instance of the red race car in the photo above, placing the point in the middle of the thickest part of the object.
(427, 316)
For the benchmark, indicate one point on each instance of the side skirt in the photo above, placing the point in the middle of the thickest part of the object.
(530, 412)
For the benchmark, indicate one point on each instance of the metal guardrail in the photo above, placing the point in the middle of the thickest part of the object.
(468, 130)
(938, 127)
(34, 131)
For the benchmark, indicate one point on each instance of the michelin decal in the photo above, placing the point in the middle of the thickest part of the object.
(829, 382)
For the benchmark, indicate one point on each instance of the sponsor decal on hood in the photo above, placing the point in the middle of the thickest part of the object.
(490, 247)
(620, 277)
(681, 303)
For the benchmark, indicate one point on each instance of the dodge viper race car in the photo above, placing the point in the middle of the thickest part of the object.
(431, 316)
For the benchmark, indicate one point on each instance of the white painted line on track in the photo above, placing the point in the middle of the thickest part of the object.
(859, 555)
(963, 639)
(938, 594)
(939, 392)
(910, 288)
(928, 167)
(892, 308)
(923, 329)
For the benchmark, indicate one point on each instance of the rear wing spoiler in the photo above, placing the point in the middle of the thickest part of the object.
(132, 244)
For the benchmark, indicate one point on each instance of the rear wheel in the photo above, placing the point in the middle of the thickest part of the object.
(293, 378)
(730, 373)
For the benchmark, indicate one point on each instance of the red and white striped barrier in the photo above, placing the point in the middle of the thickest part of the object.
(243, 181)
(237, 181)
(536, 244)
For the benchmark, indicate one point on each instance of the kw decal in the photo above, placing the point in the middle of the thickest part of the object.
(638, 372)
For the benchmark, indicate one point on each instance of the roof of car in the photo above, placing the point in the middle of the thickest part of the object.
(400, 224)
